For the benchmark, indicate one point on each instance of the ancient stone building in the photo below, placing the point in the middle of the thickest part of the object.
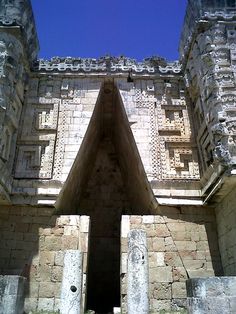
(93, 148)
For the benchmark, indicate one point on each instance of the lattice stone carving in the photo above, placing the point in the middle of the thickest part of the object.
(35, 152)
(174, 155)
(35, 161)
(143, 99)
(60, 144)
(179, 162)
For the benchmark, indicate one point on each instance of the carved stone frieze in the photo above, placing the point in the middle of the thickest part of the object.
(109, 64)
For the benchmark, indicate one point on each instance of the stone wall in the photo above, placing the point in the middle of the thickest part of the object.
(33, 241)
(61, 122)
(182, 244)
(226, 226)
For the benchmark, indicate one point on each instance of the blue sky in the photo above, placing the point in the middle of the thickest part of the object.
(93, 28)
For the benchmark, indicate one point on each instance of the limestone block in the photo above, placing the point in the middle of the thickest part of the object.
(148, 219)
(161, 291)
(179, 290)
(161, 274)
(45, 304)
(125, 226)
(137, 290)
(158, 244)
(30, 304)
(172, 259)
(72, 281)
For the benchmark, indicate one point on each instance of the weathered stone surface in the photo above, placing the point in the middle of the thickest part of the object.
(83, 132)
(137, 272)
(12, 294)
(71, 290)
(169, 266)
(211, 295)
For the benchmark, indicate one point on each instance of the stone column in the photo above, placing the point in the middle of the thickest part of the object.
(213, 295)
(137, 290)
(12, 294)
(71, 291)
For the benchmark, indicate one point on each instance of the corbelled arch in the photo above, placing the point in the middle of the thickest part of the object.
(106, 181)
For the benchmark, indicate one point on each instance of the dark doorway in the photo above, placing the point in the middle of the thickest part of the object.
(104, 200)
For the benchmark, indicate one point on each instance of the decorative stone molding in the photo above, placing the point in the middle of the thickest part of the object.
(208, 50)
(199, 16)
(153, 65)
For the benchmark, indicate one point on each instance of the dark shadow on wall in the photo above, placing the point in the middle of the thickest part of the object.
(27, 249)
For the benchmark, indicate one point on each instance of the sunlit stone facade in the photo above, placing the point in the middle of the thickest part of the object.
(93, 148)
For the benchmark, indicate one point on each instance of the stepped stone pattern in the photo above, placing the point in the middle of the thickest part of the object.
(92, 149)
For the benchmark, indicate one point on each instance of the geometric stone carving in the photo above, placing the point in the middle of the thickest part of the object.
(46, 118)
(174, 153)
(210, 73)
(35, 161)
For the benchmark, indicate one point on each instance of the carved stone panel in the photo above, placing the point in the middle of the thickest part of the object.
(35, 161)
(35, 153)
(173, 151)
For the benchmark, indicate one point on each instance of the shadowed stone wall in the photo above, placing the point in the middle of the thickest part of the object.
(33, 241)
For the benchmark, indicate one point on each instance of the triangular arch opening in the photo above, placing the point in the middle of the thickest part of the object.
(107, 181)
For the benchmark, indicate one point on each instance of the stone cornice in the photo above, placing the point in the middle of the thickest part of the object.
(108, 64)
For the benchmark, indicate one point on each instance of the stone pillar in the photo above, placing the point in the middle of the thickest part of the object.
(214, 295)
(137, 290)
(12, 294)
(71, 292)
